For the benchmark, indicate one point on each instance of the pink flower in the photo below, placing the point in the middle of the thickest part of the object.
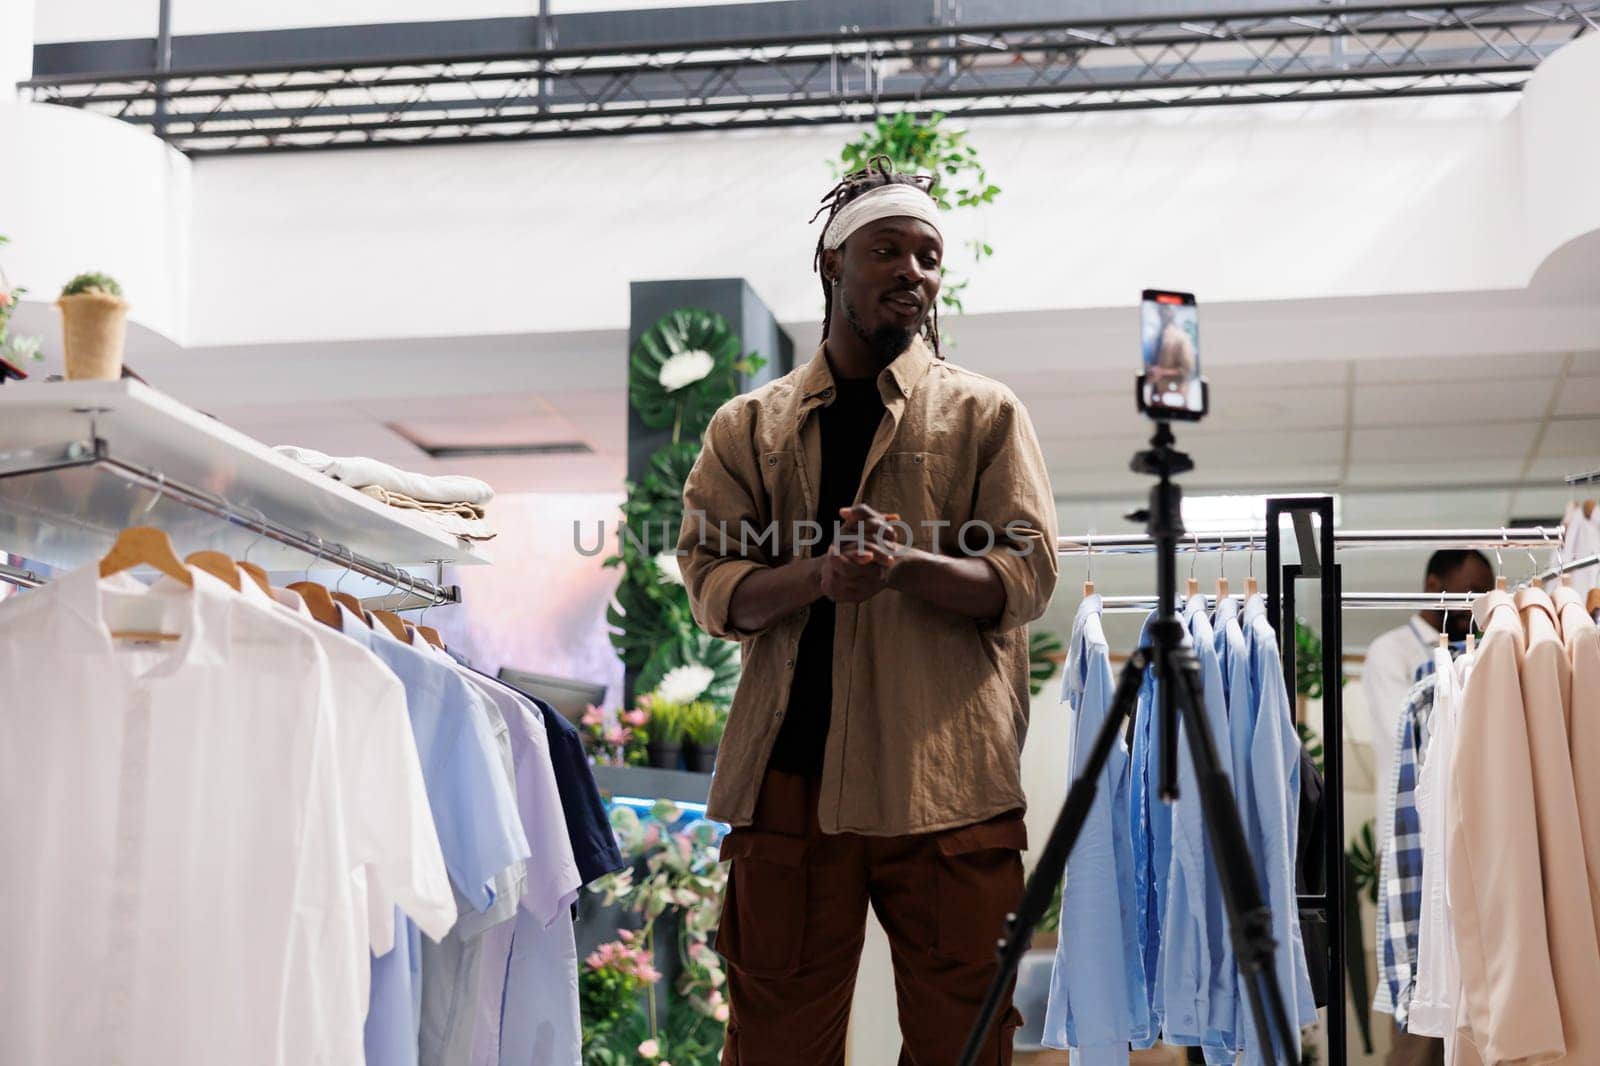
(650, 1049)
(652, 836)
(715, 999)
(5, 298)
(617, 737)
(721, 1013)
(648, 973)
(626, 935)
(636, 718)
(592, 716)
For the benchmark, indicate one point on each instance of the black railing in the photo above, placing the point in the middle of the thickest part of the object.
(1308, 53)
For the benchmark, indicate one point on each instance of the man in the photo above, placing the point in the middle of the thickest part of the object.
(877, 529)
(1393, 660)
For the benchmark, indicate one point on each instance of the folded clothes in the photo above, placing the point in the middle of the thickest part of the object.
(359, 473)
(471, 511)
(464, 520)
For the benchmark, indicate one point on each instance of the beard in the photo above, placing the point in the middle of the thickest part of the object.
(886, 342)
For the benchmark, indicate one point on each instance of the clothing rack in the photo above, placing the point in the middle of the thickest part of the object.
(25, 579)
(1583, 479)
(97, 453)
(1319, 543)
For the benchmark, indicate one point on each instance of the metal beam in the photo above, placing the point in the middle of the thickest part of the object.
(844, 76)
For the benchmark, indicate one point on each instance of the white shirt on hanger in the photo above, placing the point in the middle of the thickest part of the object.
(1438, 971)
(1389, 673)
(176, 879)
(392, 833)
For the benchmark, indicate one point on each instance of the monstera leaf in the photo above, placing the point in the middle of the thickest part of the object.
(646, 614)
(685, 367)
(695, 647)
(653, 510)
(1042, 646)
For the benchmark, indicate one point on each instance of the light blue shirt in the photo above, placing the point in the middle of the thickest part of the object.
(474, 811)
(1098, 1003)
(1233, 653)
(1274, 781)
(1197, 956)
(1151, 824)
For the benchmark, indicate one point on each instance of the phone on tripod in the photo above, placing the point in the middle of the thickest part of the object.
(1170, 386)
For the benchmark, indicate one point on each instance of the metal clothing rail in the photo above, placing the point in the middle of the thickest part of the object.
(1243, 539)
(1565, 568)
(25, 579)
(432, 593)
(1360, 601)
(1584, 478)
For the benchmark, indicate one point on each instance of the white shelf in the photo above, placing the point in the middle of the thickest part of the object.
(64, 517)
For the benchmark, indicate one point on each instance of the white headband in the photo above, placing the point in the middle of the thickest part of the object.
(886, 201)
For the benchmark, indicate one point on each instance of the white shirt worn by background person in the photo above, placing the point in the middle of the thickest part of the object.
(1389, 673)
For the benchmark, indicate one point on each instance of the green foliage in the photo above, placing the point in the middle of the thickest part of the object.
(15, 349)
(1051, 922)
(669, 722)
(92, 282)
(1312, 744)
(1308, 662)
(703, 723)
(916, 144)
(688, 407)
(694, 647)
(676, 876)
(1363, 860)
(1042, 646)
(652, 627)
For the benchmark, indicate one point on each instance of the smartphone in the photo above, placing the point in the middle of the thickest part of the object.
(1170, 385)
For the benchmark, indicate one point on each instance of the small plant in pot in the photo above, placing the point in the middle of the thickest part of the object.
(702, 735)
(94, 327)
(667, 727)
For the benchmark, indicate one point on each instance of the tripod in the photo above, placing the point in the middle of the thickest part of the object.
(1178, 673)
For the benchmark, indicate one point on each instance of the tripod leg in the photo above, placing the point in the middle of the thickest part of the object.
(1249, 920)
(1052, 864)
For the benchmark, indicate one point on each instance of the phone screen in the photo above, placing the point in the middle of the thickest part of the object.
(1170, 336)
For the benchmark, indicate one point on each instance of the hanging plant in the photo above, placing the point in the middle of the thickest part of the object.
(646, 614)
(918, 144)
(685, 367)
(653, 510)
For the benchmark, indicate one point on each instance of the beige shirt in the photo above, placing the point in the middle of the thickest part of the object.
(1582, 639)
(1574, 949)
(1495, 879)
(930, 708)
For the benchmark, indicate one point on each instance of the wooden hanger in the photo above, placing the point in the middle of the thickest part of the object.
(1222, 574)
(1192, 585)
(319, 603)
(145, 546)
(352, 603)
(256, 574)
(218, 566)
(1088, 570)
(394, 624)
(1593, 603)
(431, 635)
(1588, 508)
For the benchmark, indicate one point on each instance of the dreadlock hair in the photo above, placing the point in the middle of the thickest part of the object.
(878, 172)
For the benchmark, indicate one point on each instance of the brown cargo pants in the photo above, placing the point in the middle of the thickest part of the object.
(794, 919)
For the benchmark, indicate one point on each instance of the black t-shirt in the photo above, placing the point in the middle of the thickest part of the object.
(848, 425)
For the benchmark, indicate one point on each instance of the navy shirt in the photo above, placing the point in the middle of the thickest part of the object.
(594, 846)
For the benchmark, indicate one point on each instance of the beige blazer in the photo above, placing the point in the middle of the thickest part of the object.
(1494, 875)
(1582, 639)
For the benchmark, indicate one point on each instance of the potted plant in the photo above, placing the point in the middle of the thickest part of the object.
(13, 349)
(94, 325)
(667, 721)
(702, 735)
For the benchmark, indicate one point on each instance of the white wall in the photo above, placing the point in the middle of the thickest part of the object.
(83, 192)
(16, 46)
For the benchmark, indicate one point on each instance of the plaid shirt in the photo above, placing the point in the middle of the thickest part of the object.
(1400, 902)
